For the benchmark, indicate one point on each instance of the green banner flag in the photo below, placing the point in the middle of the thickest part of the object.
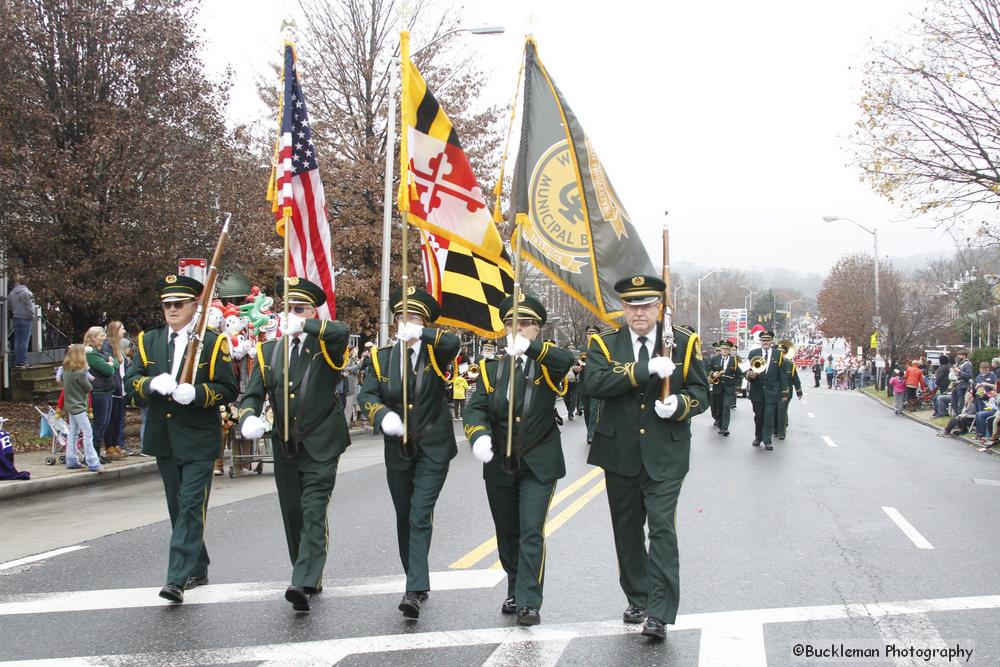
(583, 243)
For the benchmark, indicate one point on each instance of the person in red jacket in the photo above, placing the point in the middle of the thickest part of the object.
(914, 379)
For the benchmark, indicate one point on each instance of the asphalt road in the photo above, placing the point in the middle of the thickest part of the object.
(861, 529)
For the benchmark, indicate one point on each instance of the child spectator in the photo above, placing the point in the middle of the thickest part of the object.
(77, 386)
(914, 381)
(459, 387)
(898, 389)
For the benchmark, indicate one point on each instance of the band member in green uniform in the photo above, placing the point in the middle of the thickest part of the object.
(644, 445)
(183, 426)
(416, 472)
(791, 380)
(766, 389)
(520, 488)
(725, 375)
(306, 458)
(713, 403)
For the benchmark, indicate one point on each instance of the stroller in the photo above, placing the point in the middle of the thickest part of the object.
(60, 434)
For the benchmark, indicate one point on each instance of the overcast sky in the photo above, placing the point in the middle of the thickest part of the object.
(734, 116)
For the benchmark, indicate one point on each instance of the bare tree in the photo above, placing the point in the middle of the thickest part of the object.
(927, 137)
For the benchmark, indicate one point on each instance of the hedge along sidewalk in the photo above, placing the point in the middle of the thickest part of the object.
(924, 417)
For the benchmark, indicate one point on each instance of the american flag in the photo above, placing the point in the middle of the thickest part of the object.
(296, 184)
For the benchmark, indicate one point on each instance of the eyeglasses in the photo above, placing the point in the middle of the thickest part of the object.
(167, 305)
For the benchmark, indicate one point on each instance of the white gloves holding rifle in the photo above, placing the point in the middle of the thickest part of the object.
(184, 393)
(661, 366)
(666, 409)
(518, 346)
(163, 384)
(483, 449)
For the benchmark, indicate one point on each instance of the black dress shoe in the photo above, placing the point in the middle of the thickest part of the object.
(634, 614)
(508, 606)
(310, 591)
(715, 423)
(755, 443)
(528, 616)
(653, 627)
(781, 437)
(768, 446)
(410, 605)
(194, 581)
(297, 596)
(172, 592)
(725, 433)
(423, 595)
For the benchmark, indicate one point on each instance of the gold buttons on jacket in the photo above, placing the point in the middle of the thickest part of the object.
(169, 415)
(642, 406)
(411, 406)
(517, 419)
(291, 396)
(642, 431)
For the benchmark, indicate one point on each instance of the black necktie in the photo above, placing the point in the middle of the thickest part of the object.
(643, 352)
(293, 358)
(170, 349)
(413, 358)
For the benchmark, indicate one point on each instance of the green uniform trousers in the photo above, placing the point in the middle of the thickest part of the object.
(781, 417)
(650, 580)
(722, 405)
(304, 489)
(519, 511)
(186, 485)
(414, 493)
(763, 419)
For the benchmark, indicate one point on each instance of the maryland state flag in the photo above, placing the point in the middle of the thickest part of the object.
(576, 230)
(471, 272)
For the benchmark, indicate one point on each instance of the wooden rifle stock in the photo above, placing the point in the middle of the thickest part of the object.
(666, 320)
(196, 337)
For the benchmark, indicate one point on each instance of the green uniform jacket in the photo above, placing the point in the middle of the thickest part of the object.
(429, 421)
(190, 432)
(535, 430)
(791, 379)
(315, 416)
(628, 434)
(771, 386)
(731, 377)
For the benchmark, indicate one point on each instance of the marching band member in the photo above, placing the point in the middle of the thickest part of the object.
(644, 445)
(766, 389)
(306, 458)
(519, 489)
(183, 428)
(790, 376)
(415, 472)
(728, 376)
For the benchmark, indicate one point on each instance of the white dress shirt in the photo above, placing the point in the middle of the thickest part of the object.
(180, 347)
(636, 344)
(414, 357)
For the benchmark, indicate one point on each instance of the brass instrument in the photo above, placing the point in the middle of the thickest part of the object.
(715, 377)
(787, 346)
(582, 359)
(757, 365)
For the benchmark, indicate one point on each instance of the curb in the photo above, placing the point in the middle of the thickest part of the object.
(33, 486)
(934, 426)
(18, 489)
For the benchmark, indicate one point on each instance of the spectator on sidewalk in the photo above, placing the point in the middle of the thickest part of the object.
(459, 389)
(831, 373)
(103, 367)
(984, 383)
(114, 434)
(898, 386)
(960, 423)
(76, 392)
(21, 303)
(914, 380)
(943, 383)
(962, 376)
(985, 417)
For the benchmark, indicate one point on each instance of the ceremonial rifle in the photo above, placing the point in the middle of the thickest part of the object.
(666, 323)
(196, 338)
(510, 464)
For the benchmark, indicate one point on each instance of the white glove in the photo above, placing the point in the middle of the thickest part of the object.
(409, 331)
(483, 449)
(253, 428)
(519, 345)
(392, 425)
(662, 366)
(666, 409)
(184, 393)
(295, 326)
(163, 384)
(243, 349)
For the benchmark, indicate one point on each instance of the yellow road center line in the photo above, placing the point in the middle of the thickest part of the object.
(556, 523)
(490, 545)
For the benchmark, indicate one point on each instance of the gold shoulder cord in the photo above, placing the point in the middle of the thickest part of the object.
(691, 346)
(378, 369)
(326, 355)
(437, 369)
(260, 362)
(219, 341)
(484, 377)
(142, 349)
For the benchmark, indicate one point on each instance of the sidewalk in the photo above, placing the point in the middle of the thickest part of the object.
(50, 478)
(924, 417)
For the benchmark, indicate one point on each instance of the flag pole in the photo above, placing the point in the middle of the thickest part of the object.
(286, 215)
(408, 452)
(666, 319)
(510, 463)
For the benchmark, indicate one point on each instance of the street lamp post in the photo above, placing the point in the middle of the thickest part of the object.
(874, 232)
(390, 143)
(712, 272)
(748, 308)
